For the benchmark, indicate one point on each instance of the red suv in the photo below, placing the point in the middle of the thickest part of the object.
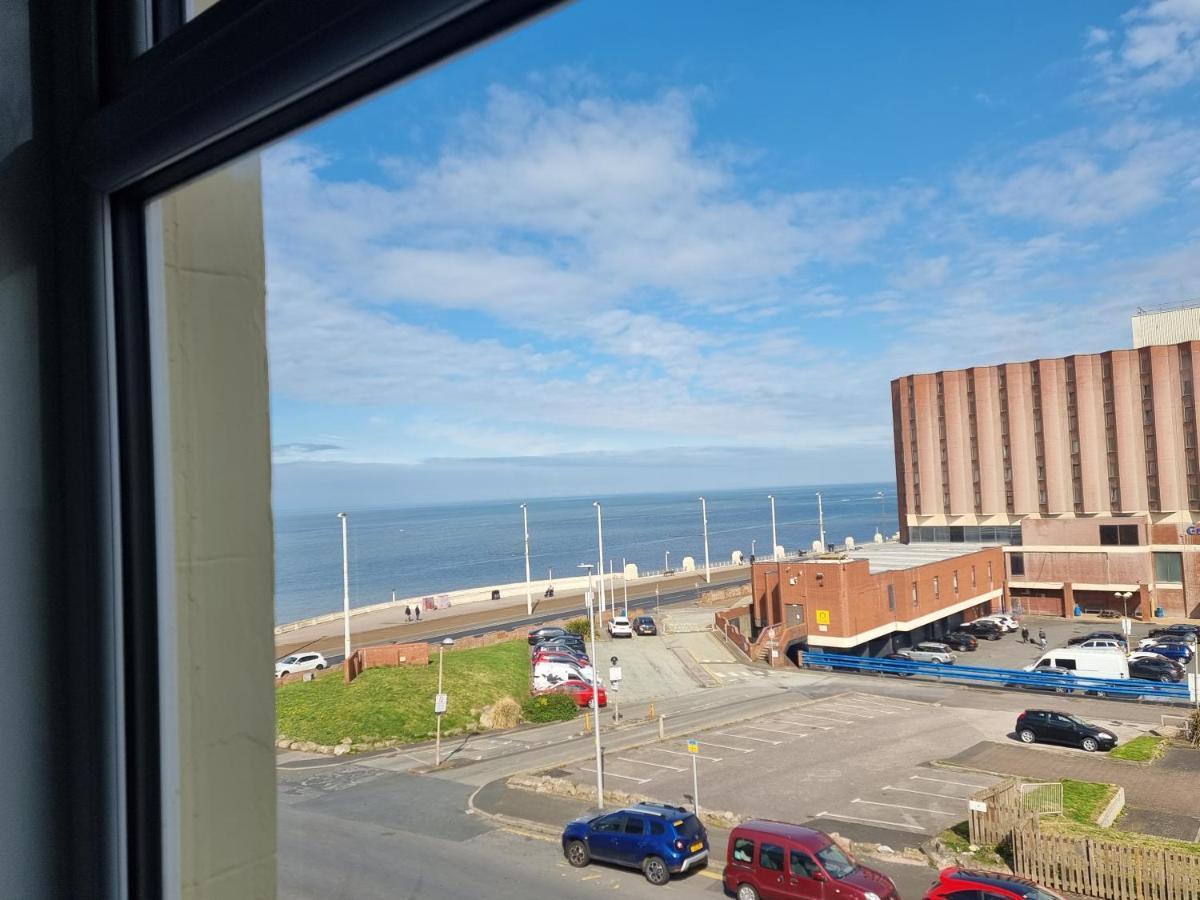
(778, 860)
(960, 884)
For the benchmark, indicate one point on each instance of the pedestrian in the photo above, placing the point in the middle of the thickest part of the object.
(1042, 636)
(1042, 642)
(418, 613)
(1024, 635)
(408, 614)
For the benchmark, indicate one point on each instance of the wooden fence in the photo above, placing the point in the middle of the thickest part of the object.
(993, 813)
(1106, 870)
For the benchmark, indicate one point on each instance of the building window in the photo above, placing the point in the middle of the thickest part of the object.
(1119, 535)
(1016, 563)
(990, 582)
(914, 595)
(1168, 567)
(954, 581)
(937, 589)
(972, 576)
(891, 598)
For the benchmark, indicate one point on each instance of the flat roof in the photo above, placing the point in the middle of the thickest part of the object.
(892, 556)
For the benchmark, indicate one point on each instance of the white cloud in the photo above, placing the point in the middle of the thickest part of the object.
(1157, 50)
(1096, 37)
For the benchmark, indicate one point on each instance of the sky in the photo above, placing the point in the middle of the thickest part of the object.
(637, 247)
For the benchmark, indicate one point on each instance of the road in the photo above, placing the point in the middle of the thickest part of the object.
(471, 623)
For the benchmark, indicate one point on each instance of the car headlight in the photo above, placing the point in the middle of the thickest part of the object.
(871, 895)
(1105, 734)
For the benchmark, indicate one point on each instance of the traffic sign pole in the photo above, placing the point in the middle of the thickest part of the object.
(693, 746)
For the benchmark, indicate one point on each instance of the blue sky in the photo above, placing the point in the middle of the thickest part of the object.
(636, 246)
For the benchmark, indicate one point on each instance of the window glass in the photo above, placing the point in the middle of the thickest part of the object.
(770, 856)
(615, 822)
(802, 864)
(688, 828)
(635, 825)
(743, 850)
(1016, 562)
(964, 895)
(1168, 567)
(836, 862)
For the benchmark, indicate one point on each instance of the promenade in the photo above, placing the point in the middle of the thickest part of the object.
(386, 623)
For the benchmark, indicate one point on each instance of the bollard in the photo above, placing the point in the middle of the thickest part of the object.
(662, 727)
(587, 723)
(650, 713)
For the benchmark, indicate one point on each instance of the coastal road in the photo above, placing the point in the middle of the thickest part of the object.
(471, 622)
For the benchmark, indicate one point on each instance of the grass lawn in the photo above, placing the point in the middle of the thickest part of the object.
(1130, 838)
(1083, 801)
(1146, 748)
(397, 703)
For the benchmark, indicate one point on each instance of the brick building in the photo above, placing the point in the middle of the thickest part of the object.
(1086, 466)
(870, 600)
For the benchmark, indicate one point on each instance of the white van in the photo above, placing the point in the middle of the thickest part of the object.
(548, 674)
(1090, 663)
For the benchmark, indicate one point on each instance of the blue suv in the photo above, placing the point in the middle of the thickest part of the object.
(658, 839)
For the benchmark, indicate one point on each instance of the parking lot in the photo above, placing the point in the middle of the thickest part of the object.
(857, 763)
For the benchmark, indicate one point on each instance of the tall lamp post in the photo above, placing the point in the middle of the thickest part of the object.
(704, 516)
(439, 704)
(346, 584)
(774, 535)
(528, 585)
(752, 548)
(595, 690)
(600, 559)
(666, 561)
(821, 520)
(1124, 596)
(625, 586)
(879, 527)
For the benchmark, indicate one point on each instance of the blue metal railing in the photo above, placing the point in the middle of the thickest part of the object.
(1006, 677)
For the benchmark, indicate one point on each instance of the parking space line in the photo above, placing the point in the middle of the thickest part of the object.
(775, 730)
(932, 812)
(708, 743)
(843, 711)
(859, 698)
(944, 781)
(697, 755)
(926, 793)
(903, 825)
(742, 737)
(859, 706)
(805, 724)
(825, 718)
(645, 762)
(608, 774)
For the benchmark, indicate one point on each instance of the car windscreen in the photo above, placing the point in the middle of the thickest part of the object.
(688, 827)
(836, 862)
(289, 660)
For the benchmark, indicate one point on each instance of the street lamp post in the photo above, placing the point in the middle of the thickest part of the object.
(595, 690)
(439, 704)
(752, 548)
(666, 561)
(879, 527)
(704, 516)
(346, 585)
(600, 559)
(774, 535)
(528, 584)
(625, 586)
(821, 520)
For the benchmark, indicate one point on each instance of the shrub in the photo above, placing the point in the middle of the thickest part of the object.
(506, 713)
(578, 626)
(1194, 729)
(549, 708)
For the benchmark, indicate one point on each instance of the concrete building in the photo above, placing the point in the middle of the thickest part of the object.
(869, 600)
(1091, 459)
(1166, 325)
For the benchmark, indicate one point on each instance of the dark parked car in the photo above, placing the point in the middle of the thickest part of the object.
(960, 640)
(1099, 636)
(658, 839)
(644, 625)
(568, 644)
(1156, 669)
(1175, 637)
(959, 884)
(983, 629)
(1178, 628)
(546, 631)
(900, 657)
(1062, 728)
(1178, 652)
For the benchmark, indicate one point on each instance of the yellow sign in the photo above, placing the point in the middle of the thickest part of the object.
(822, 617)
(693, 746)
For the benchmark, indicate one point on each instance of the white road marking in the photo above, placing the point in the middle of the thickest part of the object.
(944, 781)
(880, 702)
(774, 730)
(645, 762)
(822, 718)
(805, 725)
(708, 743)
(861, 707)
(697, 755)
(932, 812)
(906, 827)
(742, 737)
(608, 774)
(843, 711)
(924, 793)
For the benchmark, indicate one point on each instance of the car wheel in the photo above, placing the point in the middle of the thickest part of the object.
(578, 854)
(284, 672)
(320, 665)
(746, 892)
(1026, 736)
(1089, 744)
(1060, 690)
(1165, 679)
(995, 637)
(655, 870)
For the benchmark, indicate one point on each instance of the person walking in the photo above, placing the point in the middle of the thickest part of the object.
(1042, 637)
(408, 614)
(418, 612)
(1024, 635)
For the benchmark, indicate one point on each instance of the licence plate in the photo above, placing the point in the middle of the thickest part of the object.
(697, 846)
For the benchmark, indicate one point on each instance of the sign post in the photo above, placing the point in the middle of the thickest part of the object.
(693, 746)
(439, 704)
(614, 680)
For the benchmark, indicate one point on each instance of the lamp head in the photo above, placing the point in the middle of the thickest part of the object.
(448, 642)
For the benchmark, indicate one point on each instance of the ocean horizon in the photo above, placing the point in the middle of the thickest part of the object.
(428, 549)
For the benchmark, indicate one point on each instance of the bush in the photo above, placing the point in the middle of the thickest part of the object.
(549, 708)
(506, 713)
(1194, 729)
(580, 627)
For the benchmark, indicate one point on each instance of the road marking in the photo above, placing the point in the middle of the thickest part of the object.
(880, 702)
(805, 725)
(924, 793)
(708, 743)
(830, 815)
(608, 774)
(713, 875)
(697, 755)
(822, 718)
(643, 762)
(742, 737)
(944, 781)
(843, 711)
(775, 730)
(935, 812)
(861, 708)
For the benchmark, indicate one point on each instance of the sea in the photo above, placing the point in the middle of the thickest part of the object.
(421, 550)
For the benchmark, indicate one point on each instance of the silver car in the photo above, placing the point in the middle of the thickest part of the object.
(932, 652)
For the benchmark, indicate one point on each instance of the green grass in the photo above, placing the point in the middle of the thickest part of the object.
(397, 703)
(1083, 801)
(957, 839)
(1146, 748)
(1130, 838)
